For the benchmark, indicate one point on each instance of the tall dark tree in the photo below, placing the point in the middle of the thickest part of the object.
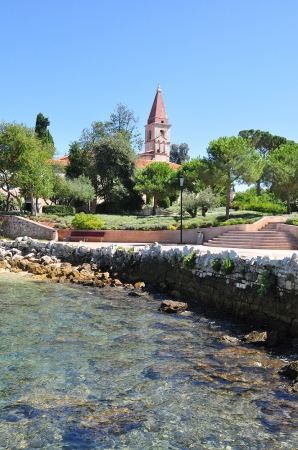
(80, 161)
(41, 130)
(114, 166)
(263, 143)
(179, 153)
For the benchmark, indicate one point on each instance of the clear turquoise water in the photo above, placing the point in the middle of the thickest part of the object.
(96, 369)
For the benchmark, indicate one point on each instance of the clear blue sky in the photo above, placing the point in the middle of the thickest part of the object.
(223, 65)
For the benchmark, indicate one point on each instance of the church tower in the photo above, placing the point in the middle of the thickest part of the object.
(157, 132)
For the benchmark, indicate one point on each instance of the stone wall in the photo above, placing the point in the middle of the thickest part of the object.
(14, 226)
(236, 293)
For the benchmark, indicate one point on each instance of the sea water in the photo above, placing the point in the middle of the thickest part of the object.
(84, 368)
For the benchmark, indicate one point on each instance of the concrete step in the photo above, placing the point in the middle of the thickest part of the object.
(270, 226)
(252, 245)
(258, 236)
(268, 239)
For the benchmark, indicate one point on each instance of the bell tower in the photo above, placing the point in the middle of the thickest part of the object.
(157, 132)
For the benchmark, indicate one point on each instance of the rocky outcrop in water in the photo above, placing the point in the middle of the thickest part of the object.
(290, 370)
(172, 307)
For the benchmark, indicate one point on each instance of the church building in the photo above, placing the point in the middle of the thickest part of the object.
(157, 132)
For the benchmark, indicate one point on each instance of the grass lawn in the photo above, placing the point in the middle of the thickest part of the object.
(168, 221)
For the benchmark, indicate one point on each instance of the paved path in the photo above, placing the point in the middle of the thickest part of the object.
(278, 254)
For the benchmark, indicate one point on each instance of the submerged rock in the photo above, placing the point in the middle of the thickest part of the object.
(229, 340)
(172, 307)
(290, 370)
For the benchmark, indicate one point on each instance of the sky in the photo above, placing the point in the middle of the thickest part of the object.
(223, 65)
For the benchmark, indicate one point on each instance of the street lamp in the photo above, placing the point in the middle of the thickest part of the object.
(181, 179)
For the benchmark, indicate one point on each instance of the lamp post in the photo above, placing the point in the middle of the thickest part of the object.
(181, 179)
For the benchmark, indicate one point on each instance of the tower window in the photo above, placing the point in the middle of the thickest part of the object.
(162, 121)
(149, 135)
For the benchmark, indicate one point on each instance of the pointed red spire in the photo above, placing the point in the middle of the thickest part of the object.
(158, 111)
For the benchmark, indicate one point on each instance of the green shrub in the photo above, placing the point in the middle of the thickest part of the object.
(165, 203)
(59, 210)
(267, 202)
(231, 222)
(227, 266)
(266, 281)
(84, 221)
(190, 260)
(216, 264)
(292, 220)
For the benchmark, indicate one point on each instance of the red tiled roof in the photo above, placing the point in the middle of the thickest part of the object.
(141, 163)
(63, 160)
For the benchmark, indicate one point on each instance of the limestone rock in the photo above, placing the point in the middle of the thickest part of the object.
(290, 370)
(139, 285)
(172, 307)
(255, 337)
(116, 282)
(135, 294)
(229, 340)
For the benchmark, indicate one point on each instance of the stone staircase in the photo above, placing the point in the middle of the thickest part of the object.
(267, 238)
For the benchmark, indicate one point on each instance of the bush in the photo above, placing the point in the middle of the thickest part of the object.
(227, 266)
(266, 202)
(266, 281)
(190, 260)
(59, 210)
(216, 264)
(165, 203)
(292, 220)
(84, 221)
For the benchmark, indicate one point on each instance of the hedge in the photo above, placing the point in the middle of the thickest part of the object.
(59, 210)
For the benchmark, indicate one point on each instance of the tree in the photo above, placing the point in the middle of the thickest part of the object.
(114, 167)
(44, 134)
(192, 172)
(283, 167)
(123, 121)
(231, 160)
(68, 190)
(179, 153)
(24, 163)
(93, 135)
(204, 199)
(35, 176)
(157, 180)
(11, 144)
(80, 161)
(263, 143)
